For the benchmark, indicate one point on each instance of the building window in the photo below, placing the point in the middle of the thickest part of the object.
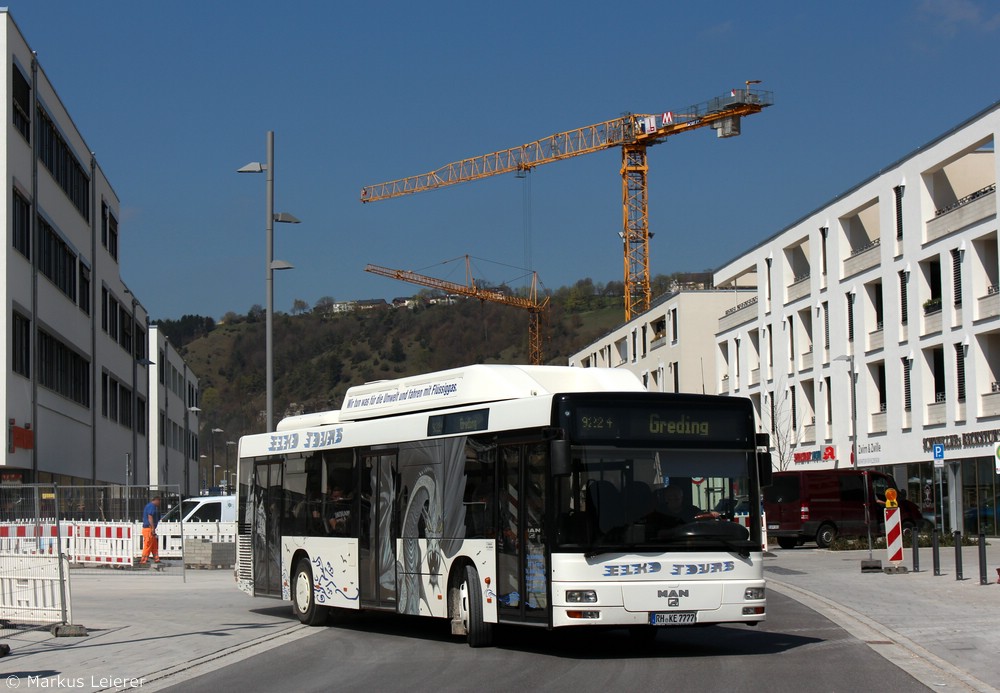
(84, 298)
(956, 271)
(673, 326)
(795, 411)
(60, 161)
(826, 325)
(104, 395)
(63, 370)
(829, 401)
(877, 300)
(960, 371)
(22, 102)
(937, 359)
(903, 274)
(56, 260)
(113, 311)
(125, 336)
(907, 399)
(113, 237)
(140, 415)
(21, 345)
(850, 316)
(898, 190)
(140, 343)
(824, 232)
(21, 219)
(880, 385)
(125, 406)
(112, 399)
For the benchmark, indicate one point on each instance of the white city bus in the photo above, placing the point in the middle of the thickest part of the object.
(536, 495)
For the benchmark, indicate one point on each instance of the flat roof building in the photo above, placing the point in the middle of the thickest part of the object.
(77, 364)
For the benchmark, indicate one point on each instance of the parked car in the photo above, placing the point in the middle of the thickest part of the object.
(203, 509)
(821, 505)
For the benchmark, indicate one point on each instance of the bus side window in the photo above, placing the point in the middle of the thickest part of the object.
(478, 497)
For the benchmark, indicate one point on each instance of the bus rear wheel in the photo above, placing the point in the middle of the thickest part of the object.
(470, 610)
(304, 598)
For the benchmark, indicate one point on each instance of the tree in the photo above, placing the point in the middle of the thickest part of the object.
(323, 304)
(299, 306)
(256, 313)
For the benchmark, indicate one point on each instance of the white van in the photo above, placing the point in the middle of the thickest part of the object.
(203, 509)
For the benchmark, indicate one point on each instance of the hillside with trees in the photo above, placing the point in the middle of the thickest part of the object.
(318, 353)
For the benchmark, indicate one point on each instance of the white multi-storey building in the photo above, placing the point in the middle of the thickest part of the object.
(174, 397)
(896, 281)
(76, 385)
(670, 346)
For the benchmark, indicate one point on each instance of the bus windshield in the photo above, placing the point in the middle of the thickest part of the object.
(651, 498)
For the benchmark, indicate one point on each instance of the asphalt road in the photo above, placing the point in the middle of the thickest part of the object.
(795, 650)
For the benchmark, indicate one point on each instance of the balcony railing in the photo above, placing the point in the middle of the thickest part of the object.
(862, 258)
(959, 214)
(738, 315)
(966, 200)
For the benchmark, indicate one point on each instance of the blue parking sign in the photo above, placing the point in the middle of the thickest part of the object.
(939, 451)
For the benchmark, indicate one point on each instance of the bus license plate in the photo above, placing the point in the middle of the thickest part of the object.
(674, 618)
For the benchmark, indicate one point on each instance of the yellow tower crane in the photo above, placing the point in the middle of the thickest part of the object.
(531, 304)
(633, 133)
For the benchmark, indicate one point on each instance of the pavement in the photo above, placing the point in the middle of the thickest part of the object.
(150, 630)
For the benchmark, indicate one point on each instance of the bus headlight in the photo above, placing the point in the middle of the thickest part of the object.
(581, 596)
(753, 593)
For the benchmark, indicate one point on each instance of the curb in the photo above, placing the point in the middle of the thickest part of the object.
(923, 665)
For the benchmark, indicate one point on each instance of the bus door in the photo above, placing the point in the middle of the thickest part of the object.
(522, 556)
(378, 530)
(267, 500)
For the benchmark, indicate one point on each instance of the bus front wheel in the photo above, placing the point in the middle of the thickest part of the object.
(304, 598)
(480, 633)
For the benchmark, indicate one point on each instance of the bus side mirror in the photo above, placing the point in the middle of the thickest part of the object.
(764, 468)
(559, 457)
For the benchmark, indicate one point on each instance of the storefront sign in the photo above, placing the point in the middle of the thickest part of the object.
(973, 439)
(870, 454)
(827, 453)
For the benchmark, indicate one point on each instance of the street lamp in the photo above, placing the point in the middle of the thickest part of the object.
(854, 443)
(269, 266)
(202, 472)
(214, 431)
(229, 444)
(215, 474)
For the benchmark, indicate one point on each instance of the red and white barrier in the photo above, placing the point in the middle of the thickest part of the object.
(105, 543)
(893, 536)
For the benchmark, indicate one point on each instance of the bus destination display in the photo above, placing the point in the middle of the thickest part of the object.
(657, 423)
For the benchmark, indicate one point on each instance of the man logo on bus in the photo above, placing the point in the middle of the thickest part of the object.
(673, 597)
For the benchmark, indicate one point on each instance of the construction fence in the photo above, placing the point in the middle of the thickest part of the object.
(50, 532)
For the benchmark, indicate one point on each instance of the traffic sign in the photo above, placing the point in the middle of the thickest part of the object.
(939, 455)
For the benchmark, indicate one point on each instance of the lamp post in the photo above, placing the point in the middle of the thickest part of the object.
(214, 431)
(270, 265)
(854, 443)
(202, 471)
(215, 474)
(229, 445)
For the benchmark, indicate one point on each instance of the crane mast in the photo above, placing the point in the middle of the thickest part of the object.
(531, 304)
(633, 133)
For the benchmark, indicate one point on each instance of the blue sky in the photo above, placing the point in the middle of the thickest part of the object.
(174, 97)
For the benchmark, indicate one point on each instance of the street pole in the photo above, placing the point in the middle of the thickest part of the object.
(854, 452)
(269, 316)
